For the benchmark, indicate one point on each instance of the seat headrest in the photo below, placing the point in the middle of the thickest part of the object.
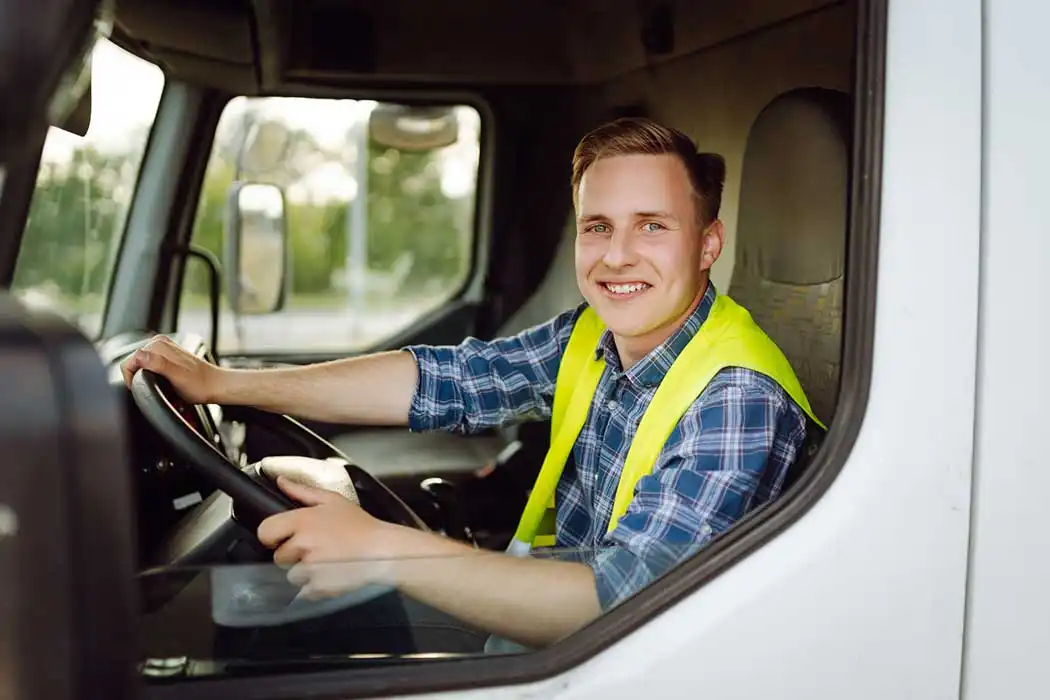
(794, 189)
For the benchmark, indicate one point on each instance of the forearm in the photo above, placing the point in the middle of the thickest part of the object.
(530, 601)
(369, 390)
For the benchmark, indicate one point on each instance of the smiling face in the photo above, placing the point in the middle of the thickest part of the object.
(642, 254)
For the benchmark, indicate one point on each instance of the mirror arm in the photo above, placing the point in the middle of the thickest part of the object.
(212, 263)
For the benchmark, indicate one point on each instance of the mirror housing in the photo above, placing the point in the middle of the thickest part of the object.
(413, 128)
(255, 248)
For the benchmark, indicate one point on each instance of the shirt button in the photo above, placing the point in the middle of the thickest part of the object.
(612, 404)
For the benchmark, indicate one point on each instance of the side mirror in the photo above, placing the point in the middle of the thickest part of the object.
(256, 248)
(413, 128)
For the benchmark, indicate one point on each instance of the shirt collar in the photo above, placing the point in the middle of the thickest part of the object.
(650, 370)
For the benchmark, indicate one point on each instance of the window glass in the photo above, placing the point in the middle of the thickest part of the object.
(260, 618)
(352, 270)
(83, 189)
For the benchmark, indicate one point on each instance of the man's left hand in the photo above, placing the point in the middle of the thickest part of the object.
(330, 545)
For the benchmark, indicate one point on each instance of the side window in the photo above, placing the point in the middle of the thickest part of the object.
(375, 203)
(83, 189)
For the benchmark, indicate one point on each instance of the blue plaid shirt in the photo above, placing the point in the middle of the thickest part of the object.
(728, 454)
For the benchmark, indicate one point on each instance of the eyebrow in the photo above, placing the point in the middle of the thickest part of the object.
(589, 218)
(654, 215)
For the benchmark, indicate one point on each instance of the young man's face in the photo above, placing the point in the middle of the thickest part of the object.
(641, 258)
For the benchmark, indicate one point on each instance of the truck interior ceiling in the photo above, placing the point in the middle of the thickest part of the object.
(216, 198)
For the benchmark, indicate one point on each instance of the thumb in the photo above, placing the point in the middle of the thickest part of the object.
(303, 494)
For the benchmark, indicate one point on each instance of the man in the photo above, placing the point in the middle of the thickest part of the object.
(647, 234)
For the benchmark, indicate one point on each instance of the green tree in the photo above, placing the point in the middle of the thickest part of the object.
(409, 212)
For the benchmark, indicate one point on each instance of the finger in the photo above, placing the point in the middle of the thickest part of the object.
(300, 575)
(289, 554)
(277, 528)
(162, 350)
(325, 580)
(303, 494)
(129, 367)
(310, 592)
(316, 589)
(147, 357)
(140, 359)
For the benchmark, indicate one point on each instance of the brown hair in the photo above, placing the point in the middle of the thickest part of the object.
(638, 136)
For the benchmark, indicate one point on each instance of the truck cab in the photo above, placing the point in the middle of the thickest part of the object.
(273, 184)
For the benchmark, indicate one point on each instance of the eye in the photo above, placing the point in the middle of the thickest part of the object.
(653, 227)
(598, 228)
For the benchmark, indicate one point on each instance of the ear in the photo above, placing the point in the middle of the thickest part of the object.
(712, 240)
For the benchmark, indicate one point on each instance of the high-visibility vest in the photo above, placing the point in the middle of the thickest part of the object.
(729, 337)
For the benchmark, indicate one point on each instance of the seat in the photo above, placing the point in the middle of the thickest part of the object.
(791, 233)
(66, 516)
(557, 292)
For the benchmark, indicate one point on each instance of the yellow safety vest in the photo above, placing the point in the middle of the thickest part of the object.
(729, 337)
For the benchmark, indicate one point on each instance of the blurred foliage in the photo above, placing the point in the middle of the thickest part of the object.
(407, 213)
(73, 223)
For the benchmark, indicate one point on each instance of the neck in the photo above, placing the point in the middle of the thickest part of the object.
(632, 349)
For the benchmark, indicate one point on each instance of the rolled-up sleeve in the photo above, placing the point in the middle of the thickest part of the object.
(478, 384)
(699, 488)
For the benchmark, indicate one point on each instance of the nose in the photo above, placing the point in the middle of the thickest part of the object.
(620, 251)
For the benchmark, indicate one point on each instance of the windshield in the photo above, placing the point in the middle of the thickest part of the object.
(83, 189)
(360, 269)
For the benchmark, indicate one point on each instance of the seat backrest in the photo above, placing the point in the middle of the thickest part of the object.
(67, 594)
(791, 233)
(557, 292)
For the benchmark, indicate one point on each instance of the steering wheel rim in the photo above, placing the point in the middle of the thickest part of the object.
(253, 499)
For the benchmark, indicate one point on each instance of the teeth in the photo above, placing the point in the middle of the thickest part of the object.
(626, 288)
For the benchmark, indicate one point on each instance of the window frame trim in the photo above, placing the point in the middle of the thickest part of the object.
(16, 197)
(470, 291)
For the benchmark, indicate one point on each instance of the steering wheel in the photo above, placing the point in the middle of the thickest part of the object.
(254, 498)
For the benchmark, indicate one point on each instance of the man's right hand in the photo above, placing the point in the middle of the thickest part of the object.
(196, 380)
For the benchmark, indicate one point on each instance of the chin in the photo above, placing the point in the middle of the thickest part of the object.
(626, 320)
